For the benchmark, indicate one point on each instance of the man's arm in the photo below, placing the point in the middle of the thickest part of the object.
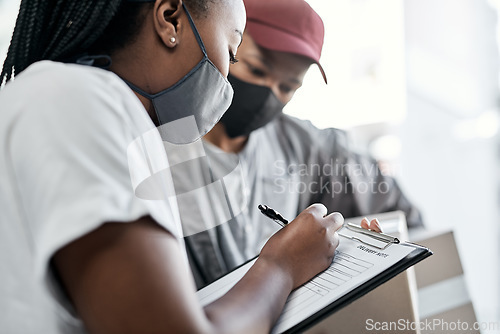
(347, 182)
(357, 185)
(383, 192)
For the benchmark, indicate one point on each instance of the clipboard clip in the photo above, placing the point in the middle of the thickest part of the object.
(367, 237)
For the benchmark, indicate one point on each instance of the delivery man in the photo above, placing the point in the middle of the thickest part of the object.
(284, 162)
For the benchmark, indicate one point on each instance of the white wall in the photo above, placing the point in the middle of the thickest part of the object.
(450, 143)
(363, 56)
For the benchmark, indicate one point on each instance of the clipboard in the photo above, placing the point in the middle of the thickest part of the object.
(418, 254)
(356, 247)
(368, 237)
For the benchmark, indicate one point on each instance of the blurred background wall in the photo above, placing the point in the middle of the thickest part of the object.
(415, 82)
(8, 14)
(450, 137)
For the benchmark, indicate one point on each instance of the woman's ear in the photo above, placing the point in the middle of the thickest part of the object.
(167, 13)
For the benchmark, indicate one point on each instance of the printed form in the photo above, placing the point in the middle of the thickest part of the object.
(354, 264)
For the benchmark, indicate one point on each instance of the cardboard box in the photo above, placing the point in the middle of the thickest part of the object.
(444, 302)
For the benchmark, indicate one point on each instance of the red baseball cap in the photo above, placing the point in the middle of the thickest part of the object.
(290, 26)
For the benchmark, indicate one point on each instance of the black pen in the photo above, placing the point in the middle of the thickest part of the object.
(273, 214)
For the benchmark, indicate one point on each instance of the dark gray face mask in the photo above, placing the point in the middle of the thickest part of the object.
(191, 107)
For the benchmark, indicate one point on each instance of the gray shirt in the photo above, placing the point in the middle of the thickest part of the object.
(288, 165)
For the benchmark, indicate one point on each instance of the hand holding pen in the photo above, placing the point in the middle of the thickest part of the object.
(306, 246)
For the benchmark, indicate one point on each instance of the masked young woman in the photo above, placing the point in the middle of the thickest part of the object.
(98, 85)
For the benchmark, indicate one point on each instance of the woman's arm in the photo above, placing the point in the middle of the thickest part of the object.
(132, 278)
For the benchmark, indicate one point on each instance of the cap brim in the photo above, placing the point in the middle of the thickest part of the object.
(278, 40)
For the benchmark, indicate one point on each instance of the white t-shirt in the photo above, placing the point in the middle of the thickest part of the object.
(68, 134)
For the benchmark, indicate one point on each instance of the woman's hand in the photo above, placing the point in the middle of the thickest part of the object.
(306, 246)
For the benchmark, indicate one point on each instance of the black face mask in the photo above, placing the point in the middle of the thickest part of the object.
(253, 107)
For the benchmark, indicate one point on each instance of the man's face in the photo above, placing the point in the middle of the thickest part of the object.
(282, 72)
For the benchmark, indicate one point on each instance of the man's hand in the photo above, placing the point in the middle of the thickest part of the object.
(373, 225)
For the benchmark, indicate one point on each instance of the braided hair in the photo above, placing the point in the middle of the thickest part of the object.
(60, 29)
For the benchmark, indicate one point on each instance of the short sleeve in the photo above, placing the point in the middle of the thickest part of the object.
(68, 149)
